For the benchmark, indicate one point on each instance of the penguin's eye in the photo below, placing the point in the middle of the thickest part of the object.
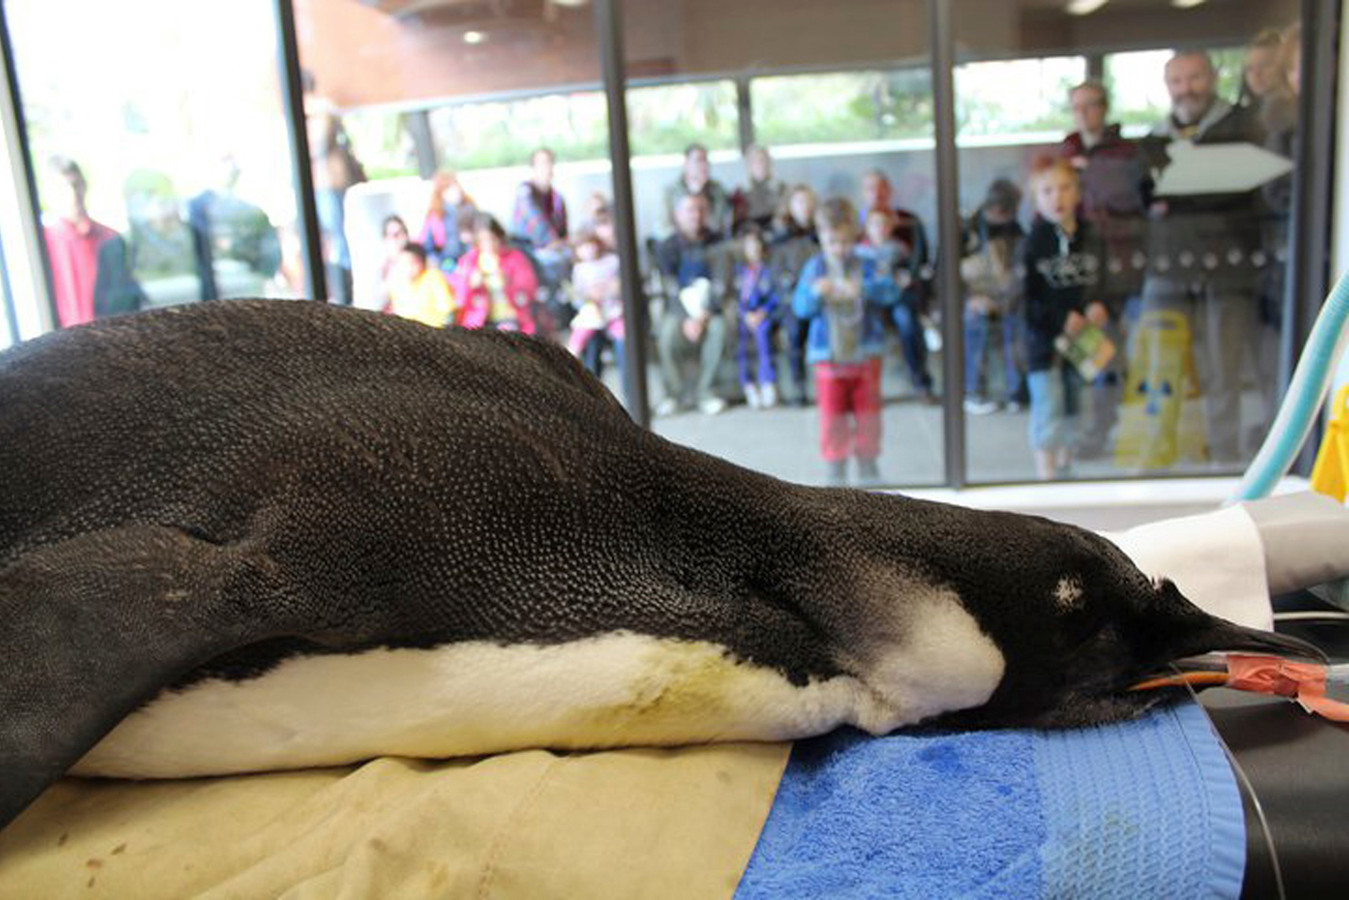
(1081, 625)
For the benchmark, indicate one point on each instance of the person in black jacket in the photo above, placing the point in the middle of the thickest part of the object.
(1204, 249)
(1062, 263)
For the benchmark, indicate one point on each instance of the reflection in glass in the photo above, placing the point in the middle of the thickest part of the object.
(155, 190)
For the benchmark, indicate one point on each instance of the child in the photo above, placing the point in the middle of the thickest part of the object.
(843, 298)
(440, 234)
(897, 259)
(599, 317)
(991, 241)
(379, 296)
(494, 282)
(1063, 266)
(757, 313)
(419, 292)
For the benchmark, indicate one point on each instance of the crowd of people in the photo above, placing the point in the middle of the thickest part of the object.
(1054, 310)
(772, 280)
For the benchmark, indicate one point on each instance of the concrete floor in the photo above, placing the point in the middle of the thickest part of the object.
(784, 442)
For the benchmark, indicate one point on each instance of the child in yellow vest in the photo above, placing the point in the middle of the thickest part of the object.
(420, 292)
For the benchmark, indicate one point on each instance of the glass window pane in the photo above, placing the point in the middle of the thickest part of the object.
(1138, 98)
(842, 106)
(158, 190)
(753, 360)
(667, 118)
(381, 139)
(1124, 240)
(491, 134)
(1015, 98)
(510, 225)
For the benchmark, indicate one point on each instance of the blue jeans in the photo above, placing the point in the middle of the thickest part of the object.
(797, 332)
(912, 345)
(977, 327)
(1053, 407)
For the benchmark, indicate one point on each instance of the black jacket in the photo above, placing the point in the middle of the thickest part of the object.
(1062, 275)
(1197, 232)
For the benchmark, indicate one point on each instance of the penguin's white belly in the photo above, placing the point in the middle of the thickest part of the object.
(619, 689)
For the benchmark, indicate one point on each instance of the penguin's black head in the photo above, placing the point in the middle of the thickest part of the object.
(1080, 626)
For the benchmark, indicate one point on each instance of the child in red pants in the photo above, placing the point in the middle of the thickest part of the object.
(844, 298)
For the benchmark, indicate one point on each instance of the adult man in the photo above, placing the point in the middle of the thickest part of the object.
(227, 228)
(696, 178)
(693, 276)
(90, 276)
(1201, 246)
(1115, 188)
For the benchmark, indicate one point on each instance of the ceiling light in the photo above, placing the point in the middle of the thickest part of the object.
(1186, 4)
(474, 37)
(1083, 7)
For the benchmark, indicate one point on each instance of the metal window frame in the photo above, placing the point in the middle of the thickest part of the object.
(302, 172)
(24, 177)
(941, 28)
(1309, 260)
(609, 25)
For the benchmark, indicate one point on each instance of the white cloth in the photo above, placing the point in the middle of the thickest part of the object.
(1216, 559)
(1230, 561)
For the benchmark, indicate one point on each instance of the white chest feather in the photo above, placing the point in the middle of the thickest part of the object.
(619, 689)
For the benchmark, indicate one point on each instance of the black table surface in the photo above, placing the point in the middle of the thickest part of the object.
(1298, 766)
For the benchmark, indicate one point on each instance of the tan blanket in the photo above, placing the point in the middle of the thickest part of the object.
(631, 823)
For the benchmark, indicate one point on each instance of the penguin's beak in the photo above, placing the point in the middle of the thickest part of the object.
(1220, 636)
(1200, 653)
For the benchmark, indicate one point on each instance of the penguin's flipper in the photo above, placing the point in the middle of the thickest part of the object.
(94, 626)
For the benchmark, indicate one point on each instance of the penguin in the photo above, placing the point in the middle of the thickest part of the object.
(258, 535)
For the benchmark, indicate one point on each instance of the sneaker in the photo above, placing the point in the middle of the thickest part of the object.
(976, 407)
(837, 474)
(667, 407)
(752, 395)
(1013, 406)
(931, 334)
(711, 406)
(768, 395)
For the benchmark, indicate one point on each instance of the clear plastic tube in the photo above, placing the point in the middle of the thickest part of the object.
(1306, 393)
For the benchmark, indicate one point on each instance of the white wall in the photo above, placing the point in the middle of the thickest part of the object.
(831, 169)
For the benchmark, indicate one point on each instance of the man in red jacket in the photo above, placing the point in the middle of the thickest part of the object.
(73, 242)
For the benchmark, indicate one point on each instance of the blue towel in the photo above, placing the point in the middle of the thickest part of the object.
(1147, 808)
